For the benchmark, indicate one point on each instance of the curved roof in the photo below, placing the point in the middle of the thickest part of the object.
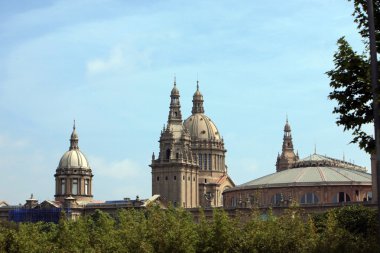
(201, 127)
(322, 160)
(175, 90)
(73, 159)
(309, 176)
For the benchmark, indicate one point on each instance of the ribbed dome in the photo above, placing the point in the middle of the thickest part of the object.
(314, 170)
(311, 176)
(201, 127)
(73, 159)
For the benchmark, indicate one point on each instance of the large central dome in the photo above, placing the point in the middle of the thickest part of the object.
(73, 159)
(201, 127)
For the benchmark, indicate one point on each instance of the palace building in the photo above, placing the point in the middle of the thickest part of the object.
(316, 180)
(73, 177)
(190, 170)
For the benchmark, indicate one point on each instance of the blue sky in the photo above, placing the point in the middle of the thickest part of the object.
(110, 65)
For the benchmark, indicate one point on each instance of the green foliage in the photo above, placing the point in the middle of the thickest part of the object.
(361, 19)
(348, 229)
(171, 230)
(350, 80)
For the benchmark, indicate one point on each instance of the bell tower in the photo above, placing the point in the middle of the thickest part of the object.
(287, 157)
(175, 171)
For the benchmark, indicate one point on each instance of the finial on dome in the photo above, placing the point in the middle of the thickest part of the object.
(74, 138)
(175, 81)
(315, 148)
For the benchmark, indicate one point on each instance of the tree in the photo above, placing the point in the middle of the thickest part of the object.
(350, 80)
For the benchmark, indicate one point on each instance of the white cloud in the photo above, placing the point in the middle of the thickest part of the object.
(114, 61)
(120, 58)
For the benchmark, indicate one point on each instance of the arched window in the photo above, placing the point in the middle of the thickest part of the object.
(341, 197)
(233, 201)
(168, 154)
(369, 196)
(277, 199)
(309, 198)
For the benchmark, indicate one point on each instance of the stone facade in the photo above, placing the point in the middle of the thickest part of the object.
(73, 177)
(190, 170)
(315, 180)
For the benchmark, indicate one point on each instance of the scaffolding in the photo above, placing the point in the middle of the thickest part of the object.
(36, 215)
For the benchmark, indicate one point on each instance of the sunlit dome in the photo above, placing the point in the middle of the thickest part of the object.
(201, 127)
(73, 159)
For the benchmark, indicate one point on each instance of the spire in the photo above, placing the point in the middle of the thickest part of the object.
(197, 101)
(74, 139)
(288, 157)
(288, 143)
(175, 115)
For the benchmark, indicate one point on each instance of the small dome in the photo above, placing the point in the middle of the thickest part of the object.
(74, 134)
(201, 127)
(198, 94)
(287, 127)
(73, 159)
(175, 91)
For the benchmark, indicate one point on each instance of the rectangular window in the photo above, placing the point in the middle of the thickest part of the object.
(209, 162)
(309, 198)
(205, 161)
(200, 160)
(63, 186)
(86, 184)
(74, 189)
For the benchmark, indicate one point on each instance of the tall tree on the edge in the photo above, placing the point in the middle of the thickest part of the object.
(350, 80)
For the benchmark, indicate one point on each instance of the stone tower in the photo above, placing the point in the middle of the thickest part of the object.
(288, 157)
(175, 172)
(208, 146)
(73, 177)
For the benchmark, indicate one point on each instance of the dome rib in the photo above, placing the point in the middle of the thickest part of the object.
(201, 127)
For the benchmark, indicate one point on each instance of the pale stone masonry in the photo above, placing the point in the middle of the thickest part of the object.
(190, 170)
